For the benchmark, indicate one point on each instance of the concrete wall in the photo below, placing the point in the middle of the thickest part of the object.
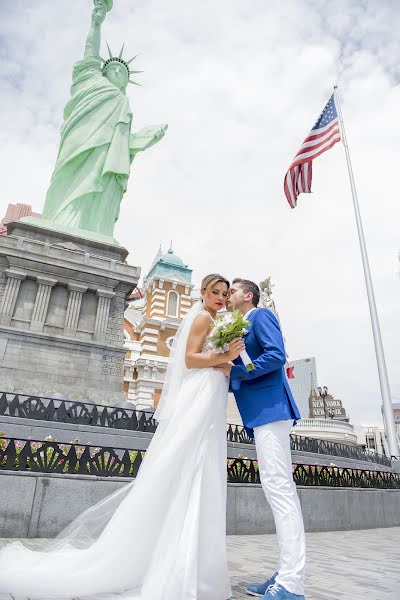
(40, 505)
(324, 509)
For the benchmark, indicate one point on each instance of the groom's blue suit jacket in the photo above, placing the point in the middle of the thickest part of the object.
(263, 395)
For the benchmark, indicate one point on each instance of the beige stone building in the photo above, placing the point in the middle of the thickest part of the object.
(151, 321)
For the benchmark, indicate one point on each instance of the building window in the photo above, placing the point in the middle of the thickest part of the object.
(169, 342)
(172, 306)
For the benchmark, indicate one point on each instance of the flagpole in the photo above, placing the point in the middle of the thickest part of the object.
(380, 356)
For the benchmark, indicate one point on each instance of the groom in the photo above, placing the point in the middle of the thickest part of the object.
(268, 409)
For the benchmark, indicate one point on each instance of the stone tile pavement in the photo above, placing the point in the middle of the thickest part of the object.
(343, 565)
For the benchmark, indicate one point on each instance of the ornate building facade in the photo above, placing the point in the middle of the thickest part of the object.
(151, 321)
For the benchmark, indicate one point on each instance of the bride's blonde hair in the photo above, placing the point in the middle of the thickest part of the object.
(210, 280)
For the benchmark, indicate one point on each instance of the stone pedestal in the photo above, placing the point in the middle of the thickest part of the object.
(62, 302)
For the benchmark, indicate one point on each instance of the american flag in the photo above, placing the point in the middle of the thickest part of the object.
(324, 135)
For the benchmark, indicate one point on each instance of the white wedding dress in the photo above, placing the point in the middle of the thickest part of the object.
(161, 536)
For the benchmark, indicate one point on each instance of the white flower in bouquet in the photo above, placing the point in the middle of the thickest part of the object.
(226, 328)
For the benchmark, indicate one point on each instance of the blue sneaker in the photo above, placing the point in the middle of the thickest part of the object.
(278, 592)
(259, 589)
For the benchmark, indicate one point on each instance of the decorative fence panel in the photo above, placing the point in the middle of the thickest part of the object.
(53, 457)
(77, 413)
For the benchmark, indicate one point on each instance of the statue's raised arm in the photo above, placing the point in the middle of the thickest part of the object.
(100, 9)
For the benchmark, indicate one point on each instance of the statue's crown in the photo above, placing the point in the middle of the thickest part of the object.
(120, 60)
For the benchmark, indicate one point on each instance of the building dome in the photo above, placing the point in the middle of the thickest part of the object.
(169, 265)
(172, 259)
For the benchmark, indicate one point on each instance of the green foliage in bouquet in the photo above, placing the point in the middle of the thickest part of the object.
(227, 327)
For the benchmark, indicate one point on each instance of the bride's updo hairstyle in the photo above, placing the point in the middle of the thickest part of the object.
(210, 280)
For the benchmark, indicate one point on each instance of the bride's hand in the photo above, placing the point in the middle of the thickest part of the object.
(236, 346)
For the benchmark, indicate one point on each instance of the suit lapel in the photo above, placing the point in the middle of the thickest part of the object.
(238, 361)
(250, 327)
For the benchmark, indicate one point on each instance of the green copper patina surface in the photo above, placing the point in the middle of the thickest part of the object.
(169, 265)
(97, 146)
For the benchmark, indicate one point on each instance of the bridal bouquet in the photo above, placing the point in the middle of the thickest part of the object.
(227, 327)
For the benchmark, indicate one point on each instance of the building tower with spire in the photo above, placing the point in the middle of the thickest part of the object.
(150, 326)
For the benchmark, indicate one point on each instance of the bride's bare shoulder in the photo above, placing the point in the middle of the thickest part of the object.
(202, 321)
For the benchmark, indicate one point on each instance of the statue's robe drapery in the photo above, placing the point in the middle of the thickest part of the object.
(94, 159)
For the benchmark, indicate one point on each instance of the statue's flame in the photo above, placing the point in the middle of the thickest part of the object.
(108, 3)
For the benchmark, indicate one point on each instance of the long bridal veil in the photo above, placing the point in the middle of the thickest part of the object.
(176, 366)
(76, 545)
(88, 526)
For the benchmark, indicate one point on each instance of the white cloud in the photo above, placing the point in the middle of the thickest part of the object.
(240, 84)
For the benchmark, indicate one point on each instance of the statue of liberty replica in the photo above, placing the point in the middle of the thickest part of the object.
(97, 146)
(64, 279)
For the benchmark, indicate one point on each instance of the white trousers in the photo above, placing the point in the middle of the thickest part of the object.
(275, 467)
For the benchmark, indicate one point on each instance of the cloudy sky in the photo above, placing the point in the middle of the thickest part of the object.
(239, 83)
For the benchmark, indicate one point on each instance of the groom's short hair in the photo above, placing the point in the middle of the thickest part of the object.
(249, 286)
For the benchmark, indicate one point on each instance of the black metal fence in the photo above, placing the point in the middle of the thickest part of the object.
(244, 471)
(78, 413)
(53, 457)
(300, 443)
(305, 444)
(83, 413)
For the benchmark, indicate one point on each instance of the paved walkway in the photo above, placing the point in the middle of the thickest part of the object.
(342, 565)
(347, 565)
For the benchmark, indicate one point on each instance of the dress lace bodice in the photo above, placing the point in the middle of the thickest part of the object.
(208, 346)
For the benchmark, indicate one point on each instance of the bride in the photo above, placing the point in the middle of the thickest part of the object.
(163, 535)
